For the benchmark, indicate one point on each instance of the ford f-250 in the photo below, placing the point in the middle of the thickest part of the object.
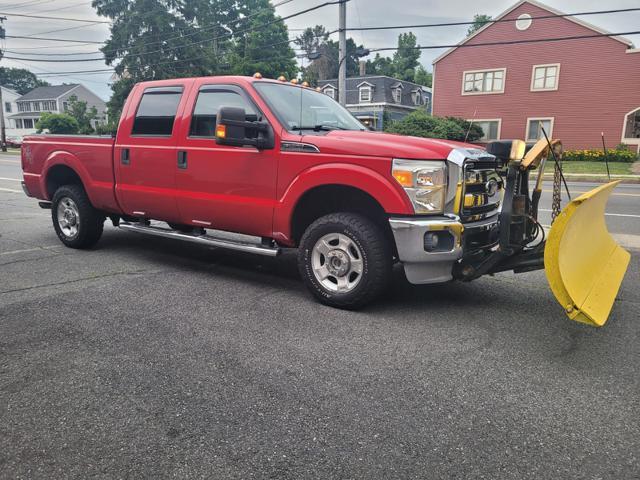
(287, 166)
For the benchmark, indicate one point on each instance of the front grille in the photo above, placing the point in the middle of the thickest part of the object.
(481, 190)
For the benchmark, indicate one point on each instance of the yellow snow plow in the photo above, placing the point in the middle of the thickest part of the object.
(583, 264)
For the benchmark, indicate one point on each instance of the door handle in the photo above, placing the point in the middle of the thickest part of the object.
(125, 157)
(182, 159)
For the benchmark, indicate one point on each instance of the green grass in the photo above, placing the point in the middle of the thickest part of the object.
(616, 168)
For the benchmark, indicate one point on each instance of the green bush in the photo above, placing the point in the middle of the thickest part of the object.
(421, 124)
(617, 155)
(60, 123)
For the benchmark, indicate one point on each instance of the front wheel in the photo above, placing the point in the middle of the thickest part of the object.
(345, 260)
(77, 223)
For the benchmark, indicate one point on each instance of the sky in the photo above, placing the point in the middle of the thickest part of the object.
(360, 13)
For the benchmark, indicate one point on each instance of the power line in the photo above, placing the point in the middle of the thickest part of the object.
(84, 42)
(66, 19)
(507, 42)
(451, 24)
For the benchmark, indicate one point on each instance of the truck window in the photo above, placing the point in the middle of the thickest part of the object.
(203, 119)
(157, 111)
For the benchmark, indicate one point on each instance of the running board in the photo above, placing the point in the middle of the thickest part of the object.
(203, 239)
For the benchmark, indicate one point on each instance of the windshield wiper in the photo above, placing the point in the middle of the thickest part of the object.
(318, 128)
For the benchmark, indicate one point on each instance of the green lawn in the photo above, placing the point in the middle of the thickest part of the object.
(616, 168)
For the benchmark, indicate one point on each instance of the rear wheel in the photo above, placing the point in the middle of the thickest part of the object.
(345, 260)
(77, 223)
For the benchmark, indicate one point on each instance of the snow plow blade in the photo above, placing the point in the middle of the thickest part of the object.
(583, 263)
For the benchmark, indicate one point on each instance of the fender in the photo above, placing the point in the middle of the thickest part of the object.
(100, 193)
(391, 198)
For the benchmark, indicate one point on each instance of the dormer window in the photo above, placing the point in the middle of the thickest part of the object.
(417, 97)
(365, 92)
(397, 95)
(330, 91)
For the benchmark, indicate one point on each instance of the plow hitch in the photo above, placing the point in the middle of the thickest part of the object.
(583, 263)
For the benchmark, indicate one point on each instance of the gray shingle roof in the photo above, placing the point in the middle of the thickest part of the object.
(47, 93)
(382, 89)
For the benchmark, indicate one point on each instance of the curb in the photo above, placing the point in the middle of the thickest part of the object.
(596, 177)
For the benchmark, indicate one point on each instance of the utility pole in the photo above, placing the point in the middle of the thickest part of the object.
(342, 49)
(3, 133)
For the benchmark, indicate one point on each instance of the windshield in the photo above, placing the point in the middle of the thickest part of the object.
(300, 108)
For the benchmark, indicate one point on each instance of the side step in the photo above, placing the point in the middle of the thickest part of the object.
(204, 239)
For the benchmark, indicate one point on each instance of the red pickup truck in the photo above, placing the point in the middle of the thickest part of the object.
(283, 165)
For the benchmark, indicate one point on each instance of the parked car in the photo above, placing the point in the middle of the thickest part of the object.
(14, 141)
(287, 166)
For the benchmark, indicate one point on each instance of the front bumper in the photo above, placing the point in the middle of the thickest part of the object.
(422, 266)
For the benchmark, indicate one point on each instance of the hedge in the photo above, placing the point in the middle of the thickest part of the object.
(626, 156)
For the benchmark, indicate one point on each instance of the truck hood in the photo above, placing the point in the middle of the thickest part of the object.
(378, 144)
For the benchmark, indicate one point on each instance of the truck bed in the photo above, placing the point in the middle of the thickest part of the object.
(91, 156)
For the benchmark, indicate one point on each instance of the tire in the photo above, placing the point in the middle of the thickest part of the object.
(332, 244)
(76, 222)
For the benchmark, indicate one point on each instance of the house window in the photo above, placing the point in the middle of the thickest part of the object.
(330, 92)
(490, 128)
(545, 77)
(483, 82)
(397, 95)
(632, 125)
(65, 106)
(18, 123)
(7, 107)
(365, 94)
(535, 127)
(24, 107)
(417, 98)
(36, 106)
(28, 123)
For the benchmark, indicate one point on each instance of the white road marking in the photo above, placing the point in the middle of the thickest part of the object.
(606, 214)
(12, 162)
(10, 190)
(11, 179)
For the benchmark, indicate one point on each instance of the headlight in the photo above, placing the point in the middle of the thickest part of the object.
(424, 181)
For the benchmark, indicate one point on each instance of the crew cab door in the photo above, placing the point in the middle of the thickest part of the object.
(145, 153)
(223, 187)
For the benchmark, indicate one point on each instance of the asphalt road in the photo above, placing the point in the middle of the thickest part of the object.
(149, 358)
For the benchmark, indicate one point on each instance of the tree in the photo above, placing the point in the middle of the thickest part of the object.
(60, 123)
(20, 80)
(158, 39)
(263, 43)
(421, 124)
(405, 59)
(422, 77)
(479, 21)
(381, 66)
(83, 115)
(315, 40)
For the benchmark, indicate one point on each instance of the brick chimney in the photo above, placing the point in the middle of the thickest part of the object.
(363, 68)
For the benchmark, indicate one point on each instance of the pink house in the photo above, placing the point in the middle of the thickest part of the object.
(575, 89)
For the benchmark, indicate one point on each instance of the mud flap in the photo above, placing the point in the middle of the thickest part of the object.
(583, 263)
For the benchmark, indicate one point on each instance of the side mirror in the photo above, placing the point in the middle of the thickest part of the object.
(232, 128)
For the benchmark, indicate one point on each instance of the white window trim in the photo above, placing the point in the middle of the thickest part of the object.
(394, 92)
(333, 91)
(623, 139)
(499, 120)
(529, 119)
(533, 77)
(362, 89)
(495, 92)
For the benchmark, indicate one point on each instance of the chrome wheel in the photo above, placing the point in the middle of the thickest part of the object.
(337, 262)
(68, 217)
